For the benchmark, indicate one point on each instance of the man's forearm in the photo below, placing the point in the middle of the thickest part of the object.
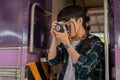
(52, 50)
(73, 54)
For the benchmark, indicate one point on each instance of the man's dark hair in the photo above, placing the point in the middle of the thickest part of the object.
(72, 12)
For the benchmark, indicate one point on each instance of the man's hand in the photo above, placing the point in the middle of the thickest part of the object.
(53, 28)
(62, 36)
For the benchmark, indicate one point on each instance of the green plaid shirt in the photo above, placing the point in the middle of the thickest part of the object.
(89, 64)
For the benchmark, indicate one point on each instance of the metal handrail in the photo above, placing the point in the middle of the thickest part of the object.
(106, 40)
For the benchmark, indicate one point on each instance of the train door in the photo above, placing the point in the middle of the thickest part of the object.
(38, 42)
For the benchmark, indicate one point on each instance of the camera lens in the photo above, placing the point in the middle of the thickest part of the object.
(58, 27)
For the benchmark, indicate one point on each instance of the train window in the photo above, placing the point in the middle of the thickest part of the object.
(39, 28)
(96, 19)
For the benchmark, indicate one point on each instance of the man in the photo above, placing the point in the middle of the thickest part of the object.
(78, 51)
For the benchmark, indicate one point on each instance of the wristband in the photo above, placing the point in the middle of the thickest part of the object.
(67, 45)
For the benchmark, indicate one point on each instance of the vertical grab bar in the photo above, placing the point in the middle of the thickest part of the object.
(31, 48)
(106, 40)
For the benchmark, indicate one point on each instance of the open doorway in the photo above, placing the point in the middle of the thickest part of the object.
(95, 12)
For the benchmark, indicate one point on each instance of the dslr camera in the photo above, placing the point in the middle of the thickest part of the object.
(59, 26)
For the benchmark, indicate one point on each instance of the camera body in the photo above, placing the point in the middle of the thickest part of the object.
(59, 26)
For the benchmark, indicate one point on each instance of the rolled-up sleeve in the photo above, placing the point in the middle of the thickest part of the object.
(54, 61)
(87, 62)
(59, 57)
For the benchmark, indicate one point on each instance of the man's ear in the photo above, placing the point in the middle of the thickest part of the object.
(80, 20)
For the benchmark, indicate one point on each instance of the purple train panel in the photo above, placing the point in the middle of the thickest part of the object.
(14, 31)
(11, 23)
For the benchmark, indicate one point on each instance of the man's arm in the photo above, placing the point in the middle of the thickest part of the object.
(73, 53)
(85, 63)
(53, 56)
(56, 53)
(52, 50)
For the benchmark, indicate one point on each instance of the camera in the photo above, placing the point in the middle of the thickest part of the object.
(59, 26)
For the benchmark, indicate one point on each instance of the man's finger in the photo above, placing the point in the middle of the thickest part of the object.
(65, 30)
(55, 32)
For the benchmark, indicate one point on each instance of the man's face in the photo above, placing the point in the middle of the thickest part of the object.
(73, 26)
(77, 28)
